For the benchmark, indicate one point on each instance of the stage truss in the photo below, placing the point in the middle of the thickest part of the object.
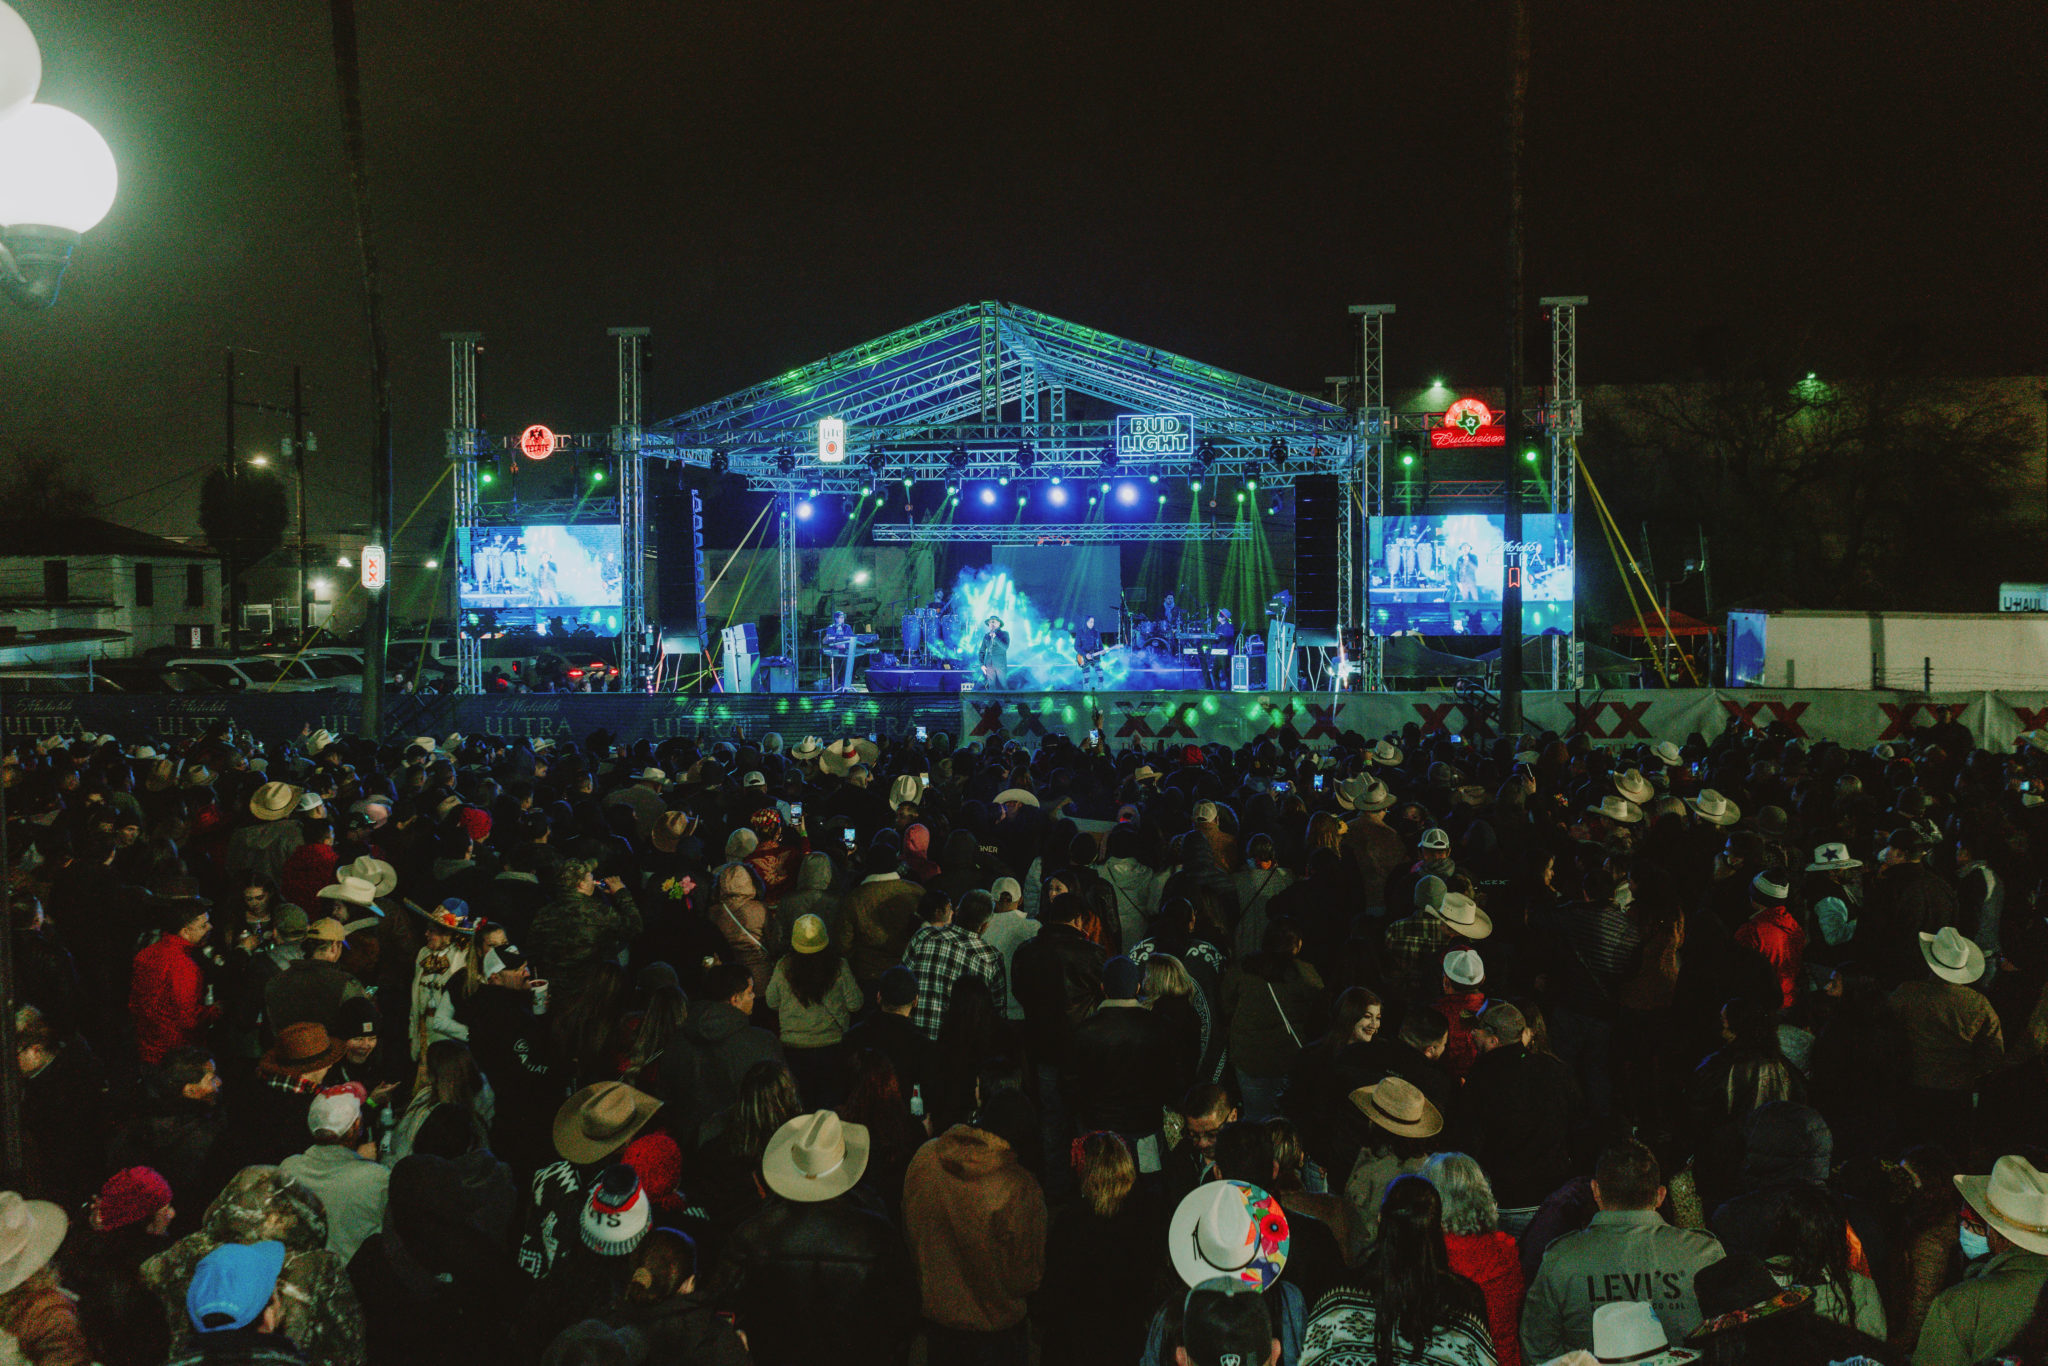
(1057, 533)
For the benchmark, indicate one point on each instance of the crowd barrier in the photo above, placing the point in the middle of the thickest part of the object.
(1858, 718)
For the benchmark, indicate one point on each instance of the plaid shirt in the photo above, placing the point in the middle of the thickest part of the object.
(1415, 950)
(940, 955)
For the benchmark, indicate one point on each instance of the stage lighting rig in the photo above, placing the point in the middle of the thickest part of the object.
(721, 461)
(1205, 454)
(1027, 456)
(1278, 454)
(785, 461)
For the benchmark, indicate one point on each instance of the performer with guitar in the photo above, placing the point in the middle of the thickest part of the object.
(1088, 654)
(995, 655)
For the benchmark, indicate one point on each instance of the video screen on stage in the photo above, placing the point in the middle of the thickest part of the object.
(1443, 574)
(551, 579)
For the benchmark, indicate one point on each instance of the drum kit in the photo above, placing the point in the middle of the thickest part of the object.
(930, 633)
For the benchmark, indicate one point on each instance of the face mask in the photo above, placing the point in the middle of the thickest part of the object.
(1973, 1243)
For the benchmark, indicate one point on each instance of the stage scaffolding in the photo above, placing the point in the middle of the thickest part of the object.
(1057, 533)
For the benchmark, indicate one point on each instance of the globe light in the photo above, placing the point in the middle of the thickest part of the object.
(21, 62)
(56, 171)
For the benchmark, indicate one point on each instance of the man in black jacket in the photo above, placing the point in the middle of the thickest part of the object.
(1122, 1067)
(1515, 1115)
(1907, 900)
(1056, 976)
(702, 1077)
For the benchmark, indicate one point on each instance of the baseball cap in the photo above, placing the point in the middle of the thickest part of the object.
(335, 1110)
(1436, 839)
(232, 1284)
(1464, 967)
(503, 958)
(1225, 1323)
(1006, 887)
(897, 986)
(754, 779)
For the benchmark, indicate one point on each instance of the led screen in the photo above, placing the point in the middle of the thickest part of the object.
(1443, 574)
(550, 579)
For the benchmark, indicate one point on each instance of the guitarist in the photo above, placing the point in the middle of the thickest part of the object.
(1088, 654)
(995, 655)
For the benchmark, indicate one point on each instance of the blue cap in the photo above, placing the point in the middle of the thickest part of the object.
(1122, 979)
(232, 1284)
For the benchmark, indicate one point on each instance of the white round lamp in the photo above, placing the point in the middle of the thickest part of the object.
(57, 181)
(21, 62)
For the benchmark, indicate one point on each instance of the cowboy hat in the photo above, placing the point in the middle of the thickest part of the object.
(815, 1157)
(273, 801)
(808, 748)
(649, 774)
(2013, 1199)
(1145, 774)
(1620, 810)
(599, 1120)
(1634, 786)
(30, 1231)
(1667, 754)
(318, 741)
(1229, 1229)
(668, 832)
(1713, 808)
(1387, 754)
(1463, 915)
(1398, 1106)
(450, 913)
(1833, 858)
(808, 935)
(1953, 958)
(1739, 1290)
(1630, 1331)
(839, 759)
(304, 1047)
(375, 871)
(1364, 794)
(356, 891)
(1017, 795)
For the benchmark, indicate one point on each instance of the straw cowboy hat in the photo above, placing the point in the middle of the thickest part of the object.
(601, 1119)
(198, 775)
(1398, 1106)
(1387, 754)
(375, 871)
(1017, 795)
(1231, 1229)
(1463, 915)
(840, 758)
(1618, 809)
(815, 1157)
(1364, 794)
(668, 832)
(1713, 808)
(1953, 958)
(1667, 754)
(274, 801)
(807, 749)
(1634, 786)
(30, 1231)
(2013, 1199)
(1630, 1331)
(1833, 858)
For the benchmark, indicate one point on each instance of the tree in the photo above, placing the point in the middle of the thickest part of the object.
(44, 484)
(244, 518)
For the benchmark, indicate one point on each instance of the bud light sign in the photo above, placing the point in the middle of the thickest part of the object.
(1155, 434)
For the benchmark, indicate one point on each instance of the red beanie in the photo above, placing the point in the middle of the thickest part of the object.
(476, 822)
(131, 1196)
(658, 1162)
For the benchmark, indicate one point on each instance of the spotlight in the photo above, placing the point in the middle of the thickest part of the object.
(1531, 455)
(1127, 494)
(877, 457)
(952, 489)
(1408, 459)
(804, 510)
(1152, 479)
(597, 475)
(956, 459)
(1091, 500)
(1110, 459)
(906, 483)
(785, 460)
(1027, 456)
(1279, 454)
(1058, 495)
(1194, 486)
(813, 493)
(1055, 480)
(1252, 484)
(1162, 500)
(487, 479)
(720, 462)
(1205, 454)
(1022, 500)
(1105, 488)
(1004, 480)
(988, 498)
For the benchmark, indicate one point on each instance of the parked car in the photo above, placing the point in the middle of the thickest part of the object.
(56, 680)
(254, 673)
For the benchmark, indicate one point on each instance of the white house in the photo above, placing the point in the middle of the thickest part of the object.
(67, 581)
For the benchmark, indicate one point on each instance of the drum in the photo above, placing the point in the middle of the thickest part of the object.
(1425, 559)
(1156, 643)
(913, 632)
(1401, 560)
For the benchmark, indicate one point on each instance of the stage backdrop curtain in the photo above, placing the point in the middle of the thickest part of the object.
(1065, 582)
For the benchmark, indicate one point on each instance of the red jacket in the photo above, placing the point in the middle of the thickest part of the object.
(1774, 936)
(307, 869)
(1491, 1261)
(1460, 1012)
(166, 995)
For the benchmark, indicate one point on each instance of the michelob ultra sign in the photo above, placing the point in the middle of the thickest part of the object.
(1155, 434)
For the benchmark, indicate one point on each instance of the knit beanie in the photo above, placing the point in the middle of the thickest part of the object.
(131, 1196)
(658, 1162)
(616, 1217)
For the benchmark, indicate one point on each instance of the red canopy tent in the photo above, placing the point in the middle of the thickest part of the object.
(1681, 626)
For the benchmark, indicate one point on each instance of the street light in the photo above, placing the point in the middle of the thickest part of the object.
(57, 174)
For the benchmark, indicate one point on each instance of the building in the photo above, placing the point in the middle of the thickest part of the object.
(84, 588)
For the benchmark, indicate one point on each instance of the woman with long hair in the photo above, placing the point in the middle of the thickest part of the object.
(1317, 1095)
(970, 1032)
(1170, 994)
(1291, 1166)
(1405, 1306)
(448, 1076)
(1478, 1249)
(815, 998)
(589, 1029)
(1274, 1002)
(657, 1029)
(1810, 1247)
(874, 1097)
(1644, 1030)
(1100, 1255)
(728, 1182)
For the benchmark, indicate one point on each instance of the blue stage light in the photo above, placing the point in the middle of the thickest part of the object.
(1127, 494)
(988, 498)
(804, 511)
(1058, 494)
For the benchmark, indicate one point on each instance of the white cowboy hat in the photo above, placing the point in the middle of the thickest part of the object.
(355, 891)
(426, 742)
(1465, 967)
(815, 1157)
(1618, 809)
(1833, 858)
(1667, 754)
(1017, 795)
(810, 747)
(1634, 786)
(1364, 794)
(1230, 1229)
(1387, 754)
(319, 740)
(1630, 1331)
(2013, 1200)
(30, 1231)
(375, 871)
(650, 774)
(1463, 915)
(1713, 808)
(1953, 958)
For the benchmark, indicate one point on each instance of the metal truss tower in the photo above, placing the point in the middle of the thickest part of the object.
(1366, 497)
(1564, 418)
(633, 652)
(465, 446)
(788, 580)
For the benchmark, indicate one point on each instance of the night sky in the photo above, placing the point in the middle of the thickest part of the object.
(765, 183)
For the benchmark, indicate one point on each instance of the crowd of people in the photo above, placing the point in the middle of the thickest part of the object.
(1419, 1049)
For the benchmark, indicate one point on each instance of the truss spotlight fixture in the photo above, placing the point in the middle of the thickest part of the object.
(1152, 479)
(1057, 495)
(1194, 486)
(1056, 481)
(877, 457)
(486, 478)
(1022, 500)
(1105, 487)
(1279, 454)
(1252, 484)
(1003, 479)
(1531, 455)
(1127, 494)
(956, 459)
(597, 475)
(1027, 456)
(812, 494)
(804, 510)
(785, 460)
(720, 462)
(1205, 454)
(1091, 500)
(988, 498)
(1162, 500)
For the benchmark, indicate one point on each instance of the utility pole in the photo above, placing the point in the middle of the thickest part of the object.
(227, 551)
(299, 460)
(1511, 452)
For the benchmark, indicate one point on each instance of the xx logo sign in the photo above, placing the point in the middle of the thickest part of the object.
(1786, 713)
(1628, 720)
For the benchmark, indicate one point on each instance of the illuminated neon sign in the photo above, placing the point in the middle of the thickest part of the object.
(1468, 422)
(1155, 433)
(831, 441)
(536, 442)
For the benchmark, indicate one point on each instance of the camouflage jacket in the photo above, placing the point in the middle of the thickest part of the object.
(571, 934)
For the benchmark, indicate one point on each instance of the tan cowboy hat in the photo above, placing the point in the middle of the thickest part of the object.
(319, 740)
(1619, 809)
(2013, 1200)
(668, 832)
(1833, 858)
(1713, 808)
(815, 1157)
(1667, 754)
(840, 758)
(356, 891)
(198, 775)
(601, 1119)
(30, 1231)
(375, 871)
(274, 801)
(1398, 1106)
(1387, 754)
(1017, 795)
(162, 775)
(808, 935)
(1463, 915)
(1634, 786)
(1953, 958)
(1368, 795)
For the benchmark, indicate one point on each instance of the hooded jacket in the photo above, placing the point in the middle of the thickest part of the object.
(703, 1077)
(743, 920)
(875, 924)
(976, 1222)
(1784, 1144)
(1490, 1261)
(1774, 936)
(813, 895)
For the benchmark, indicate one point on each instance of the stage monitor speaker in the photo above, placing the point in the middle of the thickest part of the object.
(1318, 504)
(679, 577)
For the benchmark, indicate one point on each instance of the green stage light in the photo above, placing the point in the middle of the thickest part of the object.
(1194, 486)
(597, 476)
(487, 479)
(1407, 460)
(1240, 496)
(1530, 455)
(1252, 484)
(1152, 479)
(906, 483)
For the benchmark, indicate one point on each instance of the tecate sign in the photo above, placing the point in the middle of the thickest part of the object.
(1155, 434)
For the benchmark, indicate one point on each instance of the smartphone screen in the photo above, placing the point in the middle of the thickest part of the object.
(1283, 788)
(1095, 737)
(1319, 782)
(921, 736)
(796, 814)
(846, 834)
